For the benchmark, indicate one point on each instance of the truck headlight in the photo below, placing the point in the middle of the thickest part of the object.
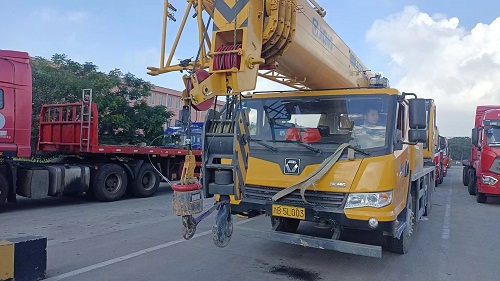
(488, 180)
(376, 200)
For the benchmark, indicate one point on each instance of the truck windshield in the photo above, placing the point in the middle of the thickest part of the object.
(320, 121)
(492, 136)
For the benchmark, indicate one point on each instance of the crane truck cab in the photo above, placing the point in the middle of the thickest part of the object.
(481, 172)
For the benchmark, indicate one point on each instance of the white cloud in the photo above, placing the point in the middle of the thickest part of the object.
(49, 14)
(437, 58)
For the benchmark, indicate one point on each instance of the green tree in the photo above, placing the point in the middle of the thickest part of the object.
(124, 116)
(460, 148)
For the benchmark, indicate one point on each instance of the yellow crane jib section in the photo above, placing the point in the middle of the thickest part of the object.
(235, 51)
(287, 38)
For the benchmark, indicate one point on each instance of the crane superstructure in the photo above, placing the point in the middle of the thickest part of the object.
(304, 154)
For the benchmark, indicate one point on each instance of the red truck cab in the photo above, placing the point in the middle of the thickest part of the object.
(15, 104)
(482, 171)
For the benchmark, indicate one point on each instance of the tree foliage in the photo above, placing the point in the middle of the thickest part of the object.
(460, 148)
(124, 116)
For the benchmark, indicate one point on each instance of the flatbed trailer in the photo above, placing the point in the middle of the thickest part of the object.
(70, 133)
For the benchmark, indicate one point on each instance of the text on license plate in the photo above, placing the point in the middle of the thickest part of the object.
(289, 212)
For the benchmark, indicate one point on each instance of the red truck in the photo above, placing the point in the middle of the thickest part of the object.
(102, 171)
(446, 158)
(482, 171)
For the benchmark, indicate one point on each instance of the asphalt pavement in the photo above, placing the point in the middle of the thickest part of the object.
(139, 239)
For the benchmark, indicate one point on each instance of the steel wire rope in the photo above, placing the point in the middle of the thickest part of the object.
(151, 162)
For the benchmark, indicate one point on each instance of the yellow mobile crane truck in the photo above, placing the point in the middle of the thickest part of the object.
(342, 150)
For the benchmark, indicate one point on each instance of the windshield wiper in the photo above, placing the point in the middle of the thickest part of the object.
(357, 149)
(261, 142)
(315, 150)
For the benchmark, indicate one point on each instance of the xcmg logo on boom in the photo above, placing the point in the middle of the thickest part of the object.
(322, 34)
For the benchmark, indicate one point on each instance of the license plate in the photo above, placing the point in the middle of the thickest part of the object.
(289, 212)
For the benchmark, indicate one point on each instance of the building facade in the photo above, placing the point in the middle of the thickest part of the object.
(172, 100)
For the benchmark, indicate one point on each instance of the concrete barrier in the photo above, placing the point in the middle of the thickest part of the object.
(23, 258)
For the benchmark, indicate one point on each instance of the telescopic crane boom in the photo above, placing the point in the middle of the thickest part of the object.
(287, 40)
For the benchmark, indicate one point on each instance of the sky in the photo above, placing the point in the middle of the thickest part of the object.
(445, 50)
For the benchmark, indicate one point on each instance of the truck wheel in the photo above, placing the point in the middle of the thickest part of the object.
(471, 187)
(402, 245)
(465, 176)
(147, 182)
(4, 188)
(440, 181)
(284, 224)
(480, 197)
(109, 182)
(428, 204)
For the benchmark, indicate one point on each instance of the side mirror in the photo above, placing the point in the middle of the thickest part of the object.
(417, 135)
(442, 142)
(418, 114)
(475, 136)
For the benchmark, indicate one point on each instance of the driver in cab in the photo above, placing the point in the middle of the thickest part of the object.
(370, 133)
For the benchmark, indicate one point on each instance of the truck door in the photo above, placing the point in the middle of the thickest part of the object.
(7, 88)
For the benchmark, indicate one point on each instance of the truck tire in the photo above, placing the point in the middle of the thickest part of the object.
(465, 176)
(108, 183)
(481, 197)
(4, 188)
(284, 224)
(441, 176)
(428, 205)
(147, 182)
(471, 187)
(402, 245)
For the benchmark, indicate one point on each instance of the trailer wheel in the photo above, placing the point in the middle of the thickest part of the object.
(465, 176)
(481, 197)
(436, 179)
(109, 182)
(471, 187)
(147, 182)
(284, 224)
(402, 245)
(4, 189)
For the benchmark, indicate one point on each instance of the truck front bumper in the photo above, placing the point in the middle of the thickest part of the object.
(336, 217)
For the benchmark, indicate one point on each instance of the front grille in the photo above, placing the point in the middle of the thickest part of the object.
(331, 200)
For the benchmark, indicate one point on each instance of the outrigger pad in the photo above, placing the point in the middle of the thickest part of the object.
(23, 258)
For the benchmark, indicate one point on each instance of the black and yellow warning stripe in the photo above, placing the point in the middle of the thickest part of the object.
(23, 258)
